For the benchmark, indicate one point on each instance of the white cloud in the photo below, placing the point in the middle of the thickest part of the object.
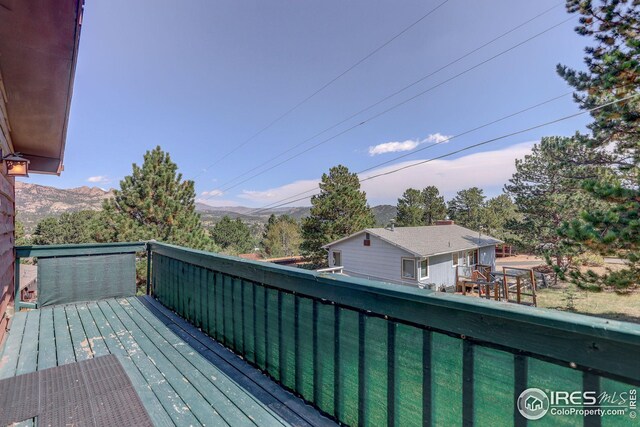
(408, 145)
(98, 179)
(217, 203)
(212, 193)
(393, 147)
(280, 193)
(489, 170)
(437, 138)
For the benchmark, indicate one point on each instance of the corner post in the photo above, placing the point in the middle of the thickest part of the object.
(148, 245)
(16, 282)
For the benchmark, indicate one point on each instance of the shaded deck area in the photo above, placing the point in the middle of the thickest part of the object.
(182, 376)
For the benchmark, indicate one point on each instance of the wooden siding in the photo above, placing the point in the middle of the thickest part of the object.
(379, 261)
(7, 222)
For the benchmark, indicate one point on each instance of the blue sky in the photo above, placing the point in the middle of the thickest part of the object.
(200, 77)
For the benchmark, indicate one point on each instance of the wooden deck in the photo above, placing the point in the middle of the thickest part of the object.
(182, 376)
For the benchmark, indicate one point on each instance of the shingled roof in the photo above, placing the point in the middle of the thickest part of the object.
(429, 240)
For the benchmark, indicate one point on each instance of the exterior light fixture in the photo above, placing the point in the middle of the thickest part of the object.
(16, 165)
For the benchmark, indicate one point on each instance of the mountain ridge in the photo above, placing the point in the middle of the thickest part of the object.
(35, 202)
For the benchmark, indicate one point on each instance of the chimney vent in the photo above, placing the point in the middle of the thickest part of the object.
(392, 226)
(444, 222)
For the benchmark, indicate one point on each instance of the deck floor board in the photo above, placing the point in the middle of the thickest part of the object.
(158, 414)
(228, 395)
(177, 383)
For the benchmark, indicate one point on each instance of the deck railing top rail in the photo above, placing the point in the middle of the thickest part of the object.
(379, 294)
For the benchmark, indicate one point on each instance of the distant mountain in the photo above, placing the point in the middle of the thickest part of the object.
(35, 202)
(210, 214)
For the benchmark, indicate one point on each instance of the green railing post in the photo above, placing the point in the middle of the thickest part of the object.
(16, 281)
(148, 245)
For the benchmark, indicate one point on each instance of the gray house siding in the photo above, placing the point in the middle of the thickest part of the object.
(379, 261)
(383, 261)
(488, 256)
(441, 271)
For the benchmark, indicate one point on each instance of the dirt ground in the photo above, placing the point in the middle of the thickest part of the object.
(568, 297)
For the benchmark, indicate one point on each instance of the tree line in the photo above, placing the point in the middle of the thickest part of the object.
(154, 202)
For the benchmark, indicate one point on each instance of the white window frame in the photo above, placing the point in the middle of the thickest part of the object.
(402, 260)
(333, 259)
(420, 268)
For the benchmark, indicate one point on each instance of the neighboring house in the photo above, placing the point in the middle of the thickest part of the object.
(426, 256)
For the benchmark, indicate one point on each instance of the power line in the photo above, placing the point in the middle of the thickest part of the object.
(397, 105)
(397, 92)
(324, 86)
(466, 132)
(469, 147)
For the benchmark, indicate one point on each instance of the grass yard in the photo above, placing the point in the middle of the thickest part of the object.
(568, 297)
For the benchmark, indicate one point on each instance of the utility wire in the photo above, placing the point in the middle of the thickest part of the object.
(323, 87)
(427, 147)
(397, 105)
(469, 147)
(397, 92)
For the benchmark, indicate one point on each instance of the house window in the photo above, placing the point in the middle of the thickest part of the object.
(408, 268)
(367, 236)
(424, 268)
(473, 257)
(455, 257)
(337, 259)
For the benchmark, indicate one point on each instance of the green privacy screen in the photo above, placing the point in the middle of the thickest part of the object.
(366, 354)
(70, 279)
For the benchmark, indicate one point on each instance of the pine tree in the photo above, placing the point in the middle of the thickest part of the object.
(410, 208)
(21, 238)
(498, 212)
(434, 206)
(613, 73)
(155, 203)
(70, 227)
(339, 210)
(466, 208)
(417, 207)
(547, 193)
(281, 237)
(233, 236)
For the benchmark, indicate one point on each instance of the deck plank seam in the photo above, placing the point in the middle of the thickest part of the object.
(189, 362)
(157, 307)
(122, 353)
(127, 352)
(162, 315)
(153, 342)
(242, 394)
(197, 417)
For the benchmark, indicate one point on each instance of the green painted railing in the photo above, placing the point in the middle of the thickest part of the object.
(86, 272)
(367, 353)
